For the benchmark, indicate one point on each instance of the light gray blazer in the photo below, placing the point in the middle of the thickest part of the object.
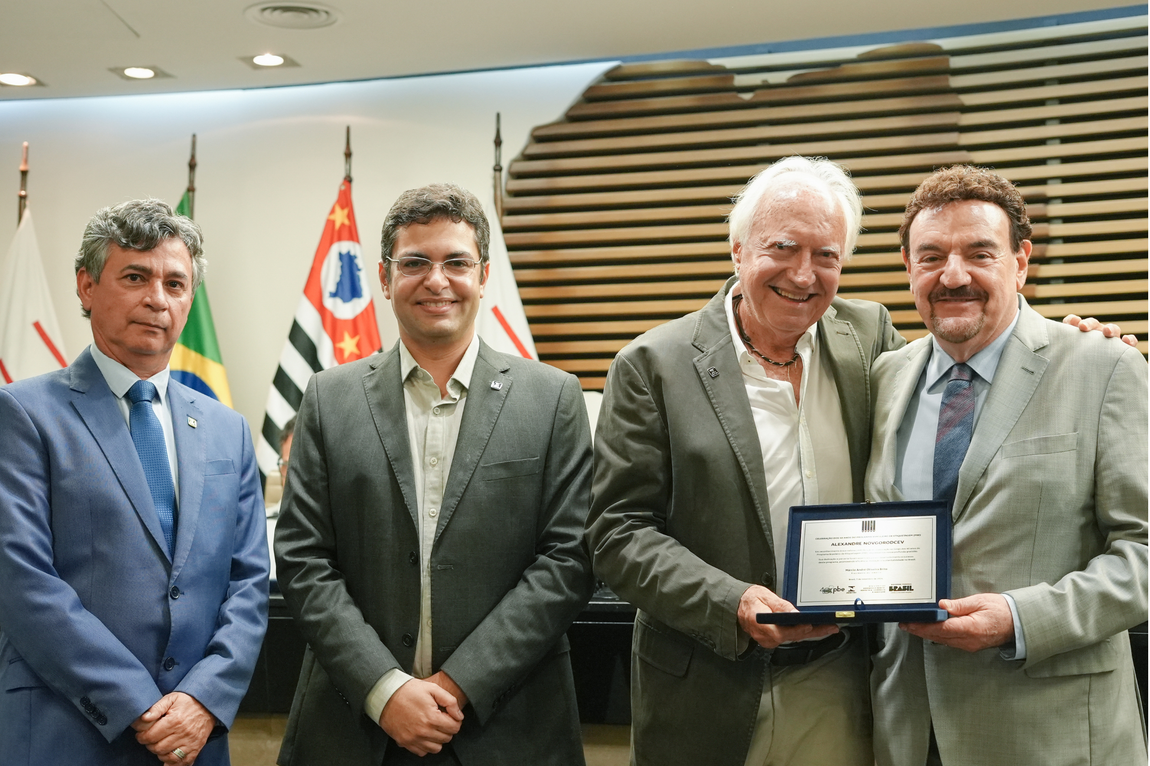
(680, 524)
(1051, 508)
(508, 568)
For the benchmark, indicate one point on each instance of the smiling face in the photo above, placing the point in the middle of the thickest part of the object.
(790, 264)
(964, 275)
(140, 305)
(434, 312)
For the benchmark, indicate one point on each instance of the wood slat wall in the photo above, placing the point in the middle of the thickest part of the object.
(614, 215)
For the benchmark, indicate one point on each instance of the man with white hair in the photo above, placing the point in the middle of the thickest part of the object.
(712, 427)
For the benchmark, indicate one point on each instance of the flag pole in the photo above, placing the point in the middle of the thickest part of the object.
(347, 157)
(192, 180)
(497, 171)
(23, 194)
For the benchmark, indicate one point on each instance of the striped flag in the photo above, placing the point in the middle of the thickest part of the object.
(29, 334)
(334, 323)
(502, 323)
(196, 360)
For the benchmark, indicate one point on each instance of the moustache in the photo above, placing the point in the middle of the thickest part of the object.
(959, 293)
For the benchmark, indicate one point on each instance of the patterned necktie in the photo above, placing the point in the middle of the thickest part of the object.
(148, 436)
(955, 425)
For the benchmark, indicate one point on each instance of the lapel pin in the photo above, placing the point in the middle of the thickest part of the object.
(714, 373)
(496, 385)
(191, 421)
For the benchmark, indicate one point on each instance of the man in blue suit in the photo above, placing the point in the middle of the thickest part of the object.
(133, 558)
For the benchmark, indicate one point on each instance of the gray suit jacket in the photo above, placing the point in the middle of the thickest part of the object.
(680, 525)
(508, 569)
(1051, 508)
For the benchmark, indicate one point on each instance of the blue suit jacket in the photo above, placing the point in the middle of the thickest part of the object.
(96, 621)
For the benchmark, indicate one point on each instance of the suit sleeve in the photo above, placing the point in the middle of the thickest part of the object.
(1108, 595)
(61, 642)
(314, 588)
(498, 655)
(220, 680)
(627, 527)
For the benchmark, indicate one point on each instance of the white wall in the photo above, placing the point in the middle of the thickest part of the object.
(270, 164)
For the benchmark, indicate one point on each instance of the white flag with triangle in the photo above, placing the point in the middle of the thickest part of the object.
(502, 323)
(30, 340)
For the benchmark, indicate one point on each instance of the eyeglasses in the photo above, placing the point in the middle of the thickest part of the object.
(281, 463)
(414, 266)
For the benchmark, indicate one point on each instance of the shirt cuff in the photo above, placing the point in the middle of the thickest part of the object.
(387, 685)
(1017, 651)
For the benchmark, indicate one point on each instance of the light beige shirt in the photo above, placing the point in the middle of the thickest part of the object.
(433, 430)
(806, 457)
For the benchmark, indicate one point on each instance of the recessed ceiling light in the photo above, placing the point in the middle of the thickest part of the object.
(14, 78)
(266, 61)
(139, 72)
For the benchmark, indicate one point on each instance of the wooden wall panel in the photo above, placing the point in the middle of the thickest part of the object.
(614, 215)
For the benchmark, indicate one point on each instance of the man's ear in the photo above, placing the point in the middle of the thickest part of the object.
(383, 280)
(1023, 257)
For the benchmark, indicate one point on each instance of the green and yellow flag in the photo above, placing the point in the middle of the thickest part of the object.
(196, 360)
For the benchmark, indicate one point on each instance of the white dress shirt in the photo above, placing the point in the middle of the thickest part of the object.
(433, 430)
(806, 458)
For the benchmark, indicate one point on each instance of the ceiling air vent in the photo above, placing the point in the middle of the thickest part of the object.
(292, 15)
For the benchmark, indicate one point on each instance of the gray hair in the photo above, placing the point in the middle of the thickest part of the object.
(830, 174)
(425, 205)
(138, 224)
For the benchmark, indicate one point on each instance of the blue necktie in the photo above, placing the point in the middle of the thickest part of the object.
(955, 425)
(148, 436)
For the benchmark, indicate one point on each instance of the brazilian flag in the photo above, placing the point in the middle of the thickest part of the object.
(196, 360)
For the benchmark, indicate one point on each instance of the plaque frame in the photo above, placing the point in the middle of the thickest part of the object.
(857, 611)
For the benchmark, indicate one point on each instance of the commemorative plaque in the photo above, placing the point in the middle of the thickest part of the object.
(866, 562)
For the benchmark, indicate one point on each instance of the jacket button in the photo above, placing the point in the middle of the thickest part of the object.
(174, 592)
(766, 578)
(102, 719)
(169, 663)
(413, 558)
(408, 639)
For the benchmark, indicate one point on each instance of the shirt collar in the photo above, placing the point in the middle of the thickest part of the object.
(805, 345)
(119, 378)
(984, 363)
(460, 379)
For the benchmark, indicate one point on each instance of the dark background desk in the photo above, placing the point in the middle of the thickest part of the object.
(600, 660)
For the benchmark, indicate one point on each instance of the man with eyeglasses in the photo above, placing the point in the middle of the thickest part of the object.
(430, 543)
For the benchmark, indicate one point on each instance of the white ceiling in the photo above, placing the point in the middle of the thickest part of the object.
(70, 45)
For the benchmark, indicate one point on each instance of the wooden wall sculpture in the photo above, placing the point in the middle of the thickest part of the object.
(614, 216)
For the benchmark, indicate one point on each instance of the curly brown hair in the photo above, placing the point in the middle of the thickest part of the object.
(968, 182)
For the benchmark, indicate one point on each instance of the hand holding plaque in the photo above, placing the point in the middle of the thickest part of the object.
(869, 562)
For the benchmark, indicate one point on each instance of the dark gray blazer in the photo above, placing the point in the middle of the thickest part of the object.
(680, 525)
(509, 570)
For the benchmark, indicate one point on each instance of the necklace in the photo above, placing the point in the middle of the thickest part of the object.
(746, 339)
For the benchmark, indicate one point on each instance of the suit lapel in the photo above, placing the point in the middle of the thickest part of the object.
(97, 407)
(903, 386)
(190, 455)
(842, 352)
(383, 385)
(484, 403)
(1019, 371)
(718, 370)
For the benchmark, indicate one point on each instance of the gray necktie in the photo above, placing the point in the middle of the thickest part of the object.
(955, 425)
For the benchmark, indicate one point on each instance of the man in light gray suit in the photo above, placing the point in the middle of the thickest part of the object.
(1037, 434)
(430, 537)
